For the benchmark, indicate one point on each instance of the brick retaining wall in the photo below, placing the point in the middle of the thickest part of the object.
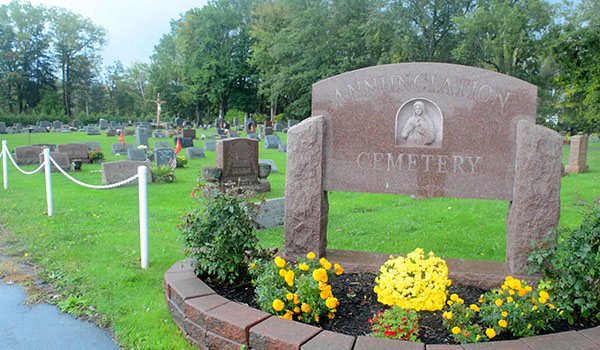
(212, 322)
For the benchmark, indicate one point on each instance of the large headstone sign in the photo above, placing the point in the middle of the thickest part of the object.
(425, 129)
(113, 172)
(238, 160)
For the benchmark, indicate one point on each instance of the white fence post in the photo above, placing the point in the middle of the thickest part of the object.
(48, 171)
(4, 164)
(143, 194)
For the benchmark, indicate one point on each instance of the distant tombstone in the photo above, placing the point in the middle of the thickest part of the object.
(61, 158)
(76, 124)
(442, 130)
(92, 145)
(278, 127)
(118, 149)
(270, 162)
(578, 155)
(90, 131)
(18, 126)
(64, 130)
(220, 131)
(111, 133)
(236, 121)
(168, 125)
(75, 151)
(113, 124)
(238, 160)
(268, 130)
(178, 122)
(292, 122)
(103, 124)
(27, 154)
(50, 146)
(234, 134)
(268, 123)
(210, 137)
(162, 144)
(129, 132)
(141, 136)
(272, 142)
(113, 172)
(220, 122)
(2, 128)
(210, 145)
(44, 123)
(271, 213)
(253, 136)
(136, 154)
(191, 133)
(57, 124)
(282, 147)
(194, 153)
(162, 156)
(185, 142)
(159, 135)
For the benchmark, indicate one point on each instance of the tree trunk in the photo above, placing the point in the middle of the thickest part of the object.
(65, 77)
(273, 110)
(197, 113)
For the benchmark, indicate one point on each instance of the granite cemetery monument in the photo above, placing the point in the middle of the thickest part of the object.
(429, 130)
(238, 160)
(578, 155)
(113, 172)
(162, 156)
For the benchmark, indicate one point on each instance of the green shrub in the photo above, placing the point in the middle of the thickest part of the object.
(181, 161)
(162, 174)
(219, 233)
(396, 323)
(570, 260)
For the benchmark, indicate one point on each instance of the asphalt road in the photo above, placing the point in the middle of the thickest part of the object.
(44, 327)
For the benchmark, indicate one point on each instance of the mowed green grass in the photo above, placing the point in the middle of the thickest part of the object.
(90, 247)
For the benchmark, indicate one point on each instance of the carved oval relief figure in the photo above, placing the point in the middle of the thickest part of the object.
(419, 124)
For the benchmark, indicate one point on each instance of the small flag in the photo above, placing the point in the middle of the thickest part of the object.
(173, 162)
(178, 147)
(121, 139)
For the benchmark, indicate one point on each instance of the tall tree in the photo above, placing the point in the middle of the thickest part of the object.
(504, 35)
(74, 36)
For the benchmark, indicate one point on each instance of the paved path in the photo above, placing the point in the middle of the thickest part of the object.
(44, 327)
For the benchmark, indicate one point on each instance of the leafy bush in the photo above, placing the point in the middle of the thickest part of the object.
(96, 155)
(570, 260)
(297, 292)
(396, 323)
(218, 233)
(515, 308)
(181, 161)
(162, 174)
(413, 282)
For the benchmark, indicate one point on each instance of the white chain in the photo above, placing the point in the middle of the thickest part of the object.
(18, 168)
(92, 186)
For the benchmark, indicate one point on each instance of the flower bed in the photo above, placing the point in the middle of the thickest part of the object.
(213, 322)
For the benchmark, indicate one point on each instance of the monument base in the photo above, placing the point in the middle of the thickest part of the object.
(578, 169)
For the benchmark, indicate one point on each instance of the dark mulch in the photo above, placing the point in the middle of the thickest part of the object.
(358, 303)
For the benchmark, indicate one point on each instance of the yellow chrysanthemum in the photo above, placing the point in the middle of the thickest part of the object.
(320, 275)
(502, 323)
(280, 262)
(454, 297)
(338, 269)
(289, 278)
(510, 299)
(490, 332)
(332, 302)
(325, 294)
(278, 305)
(331, 315)
(282, 272)
(545, 295)
(456, 330)
(447, 315)
(296, 310)
(288, 315)
(504, 313)
(303, 267)
(305, 308)
(498, 302)
(475, 308)
(289, 296)
(310, 255)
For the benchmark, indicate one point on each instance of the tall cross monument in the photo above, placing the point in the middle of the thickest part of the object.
(158, 103)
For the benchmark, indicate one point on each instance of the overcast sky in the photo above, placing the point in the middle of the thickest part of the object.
(133, 26)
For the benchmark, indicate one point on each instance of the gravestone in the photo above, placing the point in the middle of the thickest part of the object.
(159, 135)
(282, 147)
(27, 155)
(76, 124)
(92, 145)
(272, 141)
(185, 142)
(194, 153)
(113, 124)
(253, 137)
(268, 123)
(141, 136)
(178, 122)
(103, 124)
(292, 122)
(129, 132)
(113, 172)
(209, 137)
(220, 131)
(278, 127)
(191, 133)
(57, 125)
(238, 160)
(75, 151)
(428, 130)
(136, 154)
(62, 159)
(92, 131)
(268, 130)
(270, 162)
(210, 145)
(44, 123)
(234, 134)
(111, 132)
(162, 144)
(2, 128)
(578, 155)
(162, 156)
(118, 149)
(50, 146)
(271, 213)
(236, 121)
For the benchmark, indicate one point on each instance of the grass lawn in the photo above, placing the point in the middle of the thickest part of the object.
(90, 247)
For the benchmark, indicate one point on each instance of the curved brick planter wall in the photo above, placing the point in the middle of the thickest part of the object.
(213, 322)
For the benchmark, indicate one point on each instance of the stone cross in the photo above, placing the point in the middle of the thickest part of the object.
(158, 103)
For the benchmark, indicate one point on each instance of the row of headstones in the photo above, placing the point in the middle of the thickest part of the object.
(71, 151)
